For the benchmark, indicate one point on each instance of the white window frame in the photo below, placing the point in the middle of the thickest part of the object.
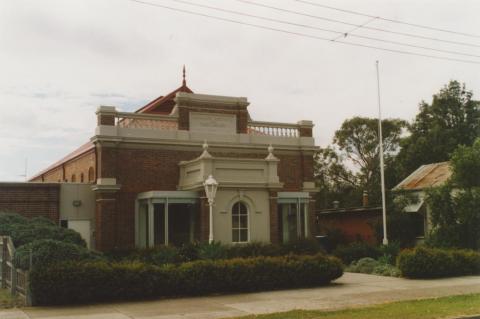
(241, 228)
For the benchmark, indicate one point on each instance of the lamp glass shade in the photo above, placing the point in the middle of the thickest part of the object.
(210, 185)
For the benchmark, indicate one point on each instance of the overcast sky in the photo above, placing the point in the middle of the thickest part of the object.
(60, 59)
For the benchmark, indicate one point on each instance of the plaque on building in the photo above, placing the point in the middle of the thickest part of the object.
(213, 123)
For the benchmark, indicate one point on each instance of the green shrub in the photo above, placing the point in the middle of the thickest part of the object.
(423, 262)
(45, 251)
(194, 251)
(385, 269)
(375, 267)
(74, 282)
(214, 250)
(356, 251)
(305, 246)
(253, 249)
(390, 252)
(365, 265)
(24, 231)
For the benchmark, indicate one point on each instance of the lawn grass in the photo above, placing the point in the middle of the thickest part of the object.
(445, 307)
(6, 299)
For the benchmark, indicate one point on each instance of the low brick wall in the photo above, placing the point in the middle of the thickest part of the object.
(354, 223)
(31, 199)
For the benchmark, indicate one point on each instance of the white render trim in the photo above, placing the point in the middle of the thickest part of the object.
(293, 195)
(168, 194)
(142, 135)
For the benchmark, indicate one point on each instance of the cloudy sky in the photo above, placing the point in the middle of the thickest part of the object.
(60, 59)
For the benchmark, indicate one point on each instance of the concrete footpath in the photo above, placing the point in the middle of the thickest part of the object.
(352, 290)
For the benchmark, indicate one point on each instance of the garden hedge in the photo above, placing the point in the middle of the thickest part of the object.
(425, 262)
(216, 250)
(45, 251)
(74, 282)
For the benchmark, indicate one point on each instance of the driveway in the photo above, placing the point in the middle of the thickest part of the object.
(350, 290)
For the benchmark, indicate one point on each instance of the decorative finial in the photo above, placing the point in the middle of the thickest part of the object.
(205, 153)
(205, 145)
(270, 155)
(184, 82)
(270, 149)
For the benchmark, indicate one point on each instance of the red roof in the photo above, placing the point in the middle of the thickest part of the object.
(76, 153)
(161, 105)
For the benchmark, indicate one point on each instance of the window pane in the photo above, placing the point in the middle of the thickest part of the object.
(244, 221)
(235, 209)
(235, 235)
(235, 221)
(243, 235)
(159, 224)
(243, 209)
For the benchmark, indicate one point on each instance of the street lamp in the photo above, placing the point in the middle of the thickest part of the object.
(211, 186)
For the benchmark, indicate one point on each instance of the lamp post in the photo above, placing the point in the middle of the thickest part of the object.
(210, 185)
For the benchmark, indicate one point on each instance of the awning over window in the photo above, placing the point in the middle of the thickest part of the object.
(293, 197)
(171, 197)
(414, 208)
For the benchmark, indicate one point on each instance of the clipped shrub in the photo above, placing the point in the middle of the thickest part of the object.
(423, 262)
(253, 249)
(73, 282)
(45, 251)
(24, 231)
(356, 251)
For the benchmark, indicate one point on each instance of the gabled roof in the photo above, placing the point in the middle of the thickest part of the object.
(76, 153)
(426, 176)
(163, 104)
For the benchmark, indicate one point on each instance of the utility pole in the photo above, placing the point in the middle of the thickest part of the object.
(382, 174)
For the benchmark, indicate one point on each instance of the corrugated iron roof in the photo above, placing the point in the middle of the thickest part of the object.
(430, 175)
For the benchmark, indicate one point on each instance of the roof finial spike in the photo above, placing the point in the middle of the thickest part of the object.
(184, 82)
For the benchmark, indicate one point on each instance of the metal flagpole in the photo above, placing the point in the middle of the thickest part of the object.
(382, 174)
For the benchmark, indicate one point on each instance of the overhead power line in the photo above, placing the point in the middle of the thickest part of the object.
(418, 36)
(389, 20)
(339, 34)
(301, 34)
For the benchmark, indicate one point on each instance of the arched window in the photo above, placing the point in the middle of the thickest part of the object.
(81, 178)
(73, 178)
(91, 175)
(239, 223)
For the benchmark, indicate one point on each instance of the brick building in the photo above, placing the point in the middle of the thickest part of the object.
(147, 169)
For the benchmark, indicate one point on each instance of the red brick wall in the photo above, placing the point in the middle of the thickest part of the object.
(354, 225)
(77, 166)
(141, 170)
(31, 200)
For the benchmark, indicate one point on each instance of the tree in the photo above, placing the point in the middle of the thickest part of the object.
(336, 182)
(358, 141)
(452, 119)
(351, 165)
(455, 207)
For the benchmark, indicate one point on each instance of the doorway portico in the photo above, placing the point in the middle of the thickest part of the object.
(166, 217)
